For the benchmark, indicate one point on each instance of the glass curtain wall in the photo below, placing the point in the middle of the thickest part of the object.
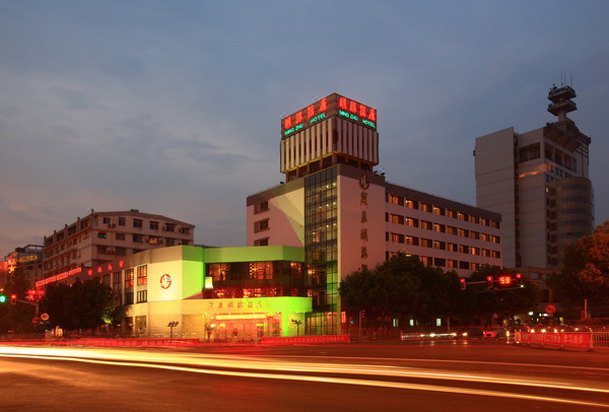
(321, 233)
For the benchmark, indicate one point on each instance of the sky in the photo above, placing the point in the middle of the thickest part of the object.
(174, 108)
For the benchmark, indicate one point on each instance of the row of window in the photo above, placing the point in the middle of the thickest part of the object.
(441, 245)
(122, 221)
(441, 262)
(440, 211)
(440, 228)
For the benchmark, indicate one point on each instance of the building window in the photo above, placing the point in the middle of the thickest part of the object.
(412, 240)
(396, 200)
(261, 225)
(129, 298)
(426, 260)
(411, 204)
(185, 230)
(106, 220)
(439, 228)
(129, 280)
(411, 222)
(142, 296)
(261, 242)
(138, 223)
(426, 207)
(397, 238)
(138, 238)
(119, 236)
(398, 219)
(116, 281)
(529, 152)
(261, 207)
(122, 221)
(464, 265)
(426, 225)
(451, 230)
(426, 243)
(169, 227)
(439, 245)
(154, 225)
(218, 271)
(142, 275)
(463, 233)
(439, 262)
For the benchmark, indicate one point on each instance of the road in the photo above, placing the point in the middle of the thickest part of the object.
(455, 376)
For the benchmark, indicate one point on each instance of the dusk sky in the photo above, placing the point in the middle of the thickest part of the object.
(174, 108)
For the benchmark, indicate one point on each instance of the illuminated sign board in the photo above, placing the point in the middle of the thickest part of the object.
(332, 105)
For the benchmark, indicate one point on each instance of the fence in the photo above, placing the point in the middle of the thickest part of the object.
(582, 340)
(304, 339)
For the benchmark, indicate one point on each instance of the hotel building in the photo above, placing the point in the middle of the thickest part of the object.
(538, 181)
(347, 216)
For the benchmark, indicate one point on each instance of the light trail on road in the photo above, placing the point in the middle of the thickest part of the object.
(269, 368)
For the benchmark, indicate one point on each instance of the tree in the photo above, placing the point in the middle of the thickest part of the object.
(17, 318)
(585, 269)
(399, 288)
(82, 305)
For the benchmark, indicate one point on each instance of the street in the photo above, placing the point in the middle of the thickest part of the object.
(418, 376)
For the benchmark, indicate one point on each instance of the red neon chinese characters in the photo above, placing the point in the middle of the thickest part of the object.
(342, 103)
(362, 110)
(372, 115)
(298, 118)
(352, 107)
(287, 122)
(323, 106)
(310, 111)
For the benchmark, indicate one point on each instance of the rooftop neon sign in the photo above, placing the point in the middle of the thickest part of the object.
(332, 105)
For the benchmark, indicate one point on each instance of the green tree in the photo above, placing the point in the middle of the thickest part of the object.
(585, 270)
(401, 287)
(82, 305)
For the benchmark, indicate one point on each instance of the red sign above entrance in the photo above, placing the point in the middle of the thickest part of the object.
(332, 105)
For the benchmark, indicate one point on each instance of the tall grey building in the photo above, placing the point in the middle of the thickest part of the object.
(538, 181)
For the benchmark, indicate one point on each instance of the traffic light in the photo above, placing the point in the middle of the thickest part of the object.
(462, 283)
(2, 298)
(490, 281)
(518, 278)
(13, 299)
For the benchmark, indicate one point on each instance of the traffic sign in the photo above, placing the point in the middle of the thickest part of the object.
(35, 320)
(44, 316)
(550, 309)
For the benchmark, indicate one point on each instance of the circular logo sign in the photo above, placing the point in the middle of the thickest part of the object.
(165, 281)
(44, 316)
(363, 181)
(551, 309)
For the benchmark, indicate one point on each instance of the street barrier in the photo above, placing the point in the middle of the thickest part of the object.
(600, 340)
(291, 340)
(582, 340)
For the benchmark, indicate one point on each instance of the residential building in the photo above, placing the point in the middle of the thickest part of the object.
(102, 236)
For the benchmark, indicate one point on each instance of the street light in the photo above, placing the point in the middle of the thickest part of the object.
(172, 325)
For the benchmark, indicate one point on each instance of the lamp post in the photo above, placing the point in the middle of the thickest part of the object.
(297, 322)
(172, 325)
